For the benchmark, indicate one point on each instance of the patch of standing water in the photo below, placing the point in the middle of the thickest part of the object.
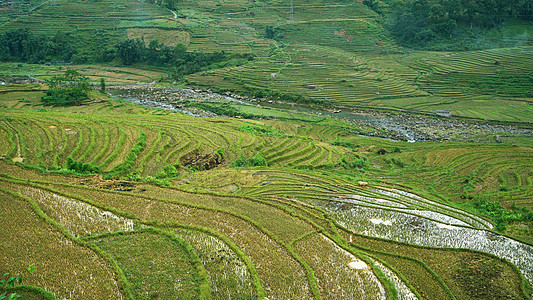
(229, 275)
(373, 200)
(419, 231)
(403, 292)
(77, 217)
(394, 206)
(425, 204)
(364, 276)
(381, 221)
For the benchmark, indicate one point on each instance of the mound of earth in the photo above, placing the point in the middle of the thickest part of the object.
(115, 185)
(201, 161)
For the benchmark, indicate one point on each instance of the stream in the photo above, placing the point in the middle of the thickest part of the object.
(398, 126)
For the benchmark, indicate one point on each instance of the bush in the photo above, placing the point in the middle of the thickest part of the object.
(169, 171)
(395, 162)
(349, 145)
(360, 163)
(80, 167)
(256, 161)
(240, 162)
(499, 214)
(274, 33)
(262, 130)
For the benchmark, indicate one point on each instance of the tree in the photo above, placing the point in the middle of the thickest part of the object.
(23, 46)
(68, 89)
(130, 51)
(274, 33)
(102, 85)
(373, 5)
(179, 53)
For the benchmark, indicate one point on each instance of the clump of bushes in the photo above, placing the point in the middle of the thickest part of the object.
(358, 162)
(501, 215)
(344, 144)
(256, 161)
(80, 167)
(169, 171)
(395, 162)
(68, 89)
(263, 130)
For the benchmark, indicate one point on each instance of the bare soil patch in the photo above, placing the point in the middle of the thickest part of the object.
(114, 185)
(201, 161)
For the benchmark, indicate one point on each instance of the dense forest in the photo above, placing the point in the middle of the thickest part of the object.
(178, 59)
(422, 23)
(21, 45)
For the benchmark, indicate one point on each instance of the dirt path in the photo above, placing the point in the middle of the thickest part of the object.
(18, 158)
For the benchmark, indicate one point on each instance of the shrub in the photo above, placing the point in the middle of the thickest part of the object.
(274, 33)
(499, 214)
(263, 130)
(349, 145)
(169, 171)
(256, 161)
(360, 163)
(80, 167)
(395, 162)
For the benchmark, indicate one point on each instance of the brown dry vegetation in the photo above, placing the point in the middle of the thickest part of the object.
(62, 266)
(166, 37)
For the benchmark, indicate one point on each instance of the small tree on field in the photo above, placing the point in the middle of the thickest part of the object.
(68, 89)
(102, 85)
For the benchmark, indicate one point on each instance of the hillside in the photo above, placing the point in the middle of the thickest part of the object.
(246, 152)
(333, 52)
(248, 231)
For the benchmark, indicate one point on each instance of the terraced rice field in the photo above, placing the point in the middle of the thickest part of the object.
(299, 227)
(273, 231)
(281, 234)
(341, 55)
(91, 16)
(338, 53)
(502, 174)
(49, 139)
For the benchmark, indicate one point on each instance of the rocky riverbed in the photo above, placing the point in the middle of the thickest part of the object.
(392, 125)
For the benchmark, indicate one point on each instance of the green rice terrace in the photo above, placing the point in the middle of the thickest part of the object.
(258, 150)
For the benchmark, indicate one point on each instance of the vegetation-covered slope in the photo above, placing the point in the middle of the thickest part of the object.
(110, 199)
(169, 181)
(334, 52)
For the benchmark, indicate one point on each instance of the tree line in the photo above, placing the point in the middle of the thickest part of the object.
(21, 45)
(178, 59)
